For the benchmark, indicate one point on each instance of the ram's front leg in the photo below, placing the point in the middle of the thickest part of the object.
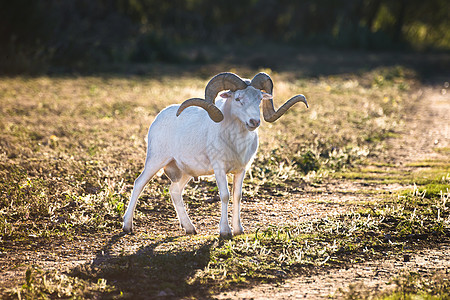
(224, 193)
(237, 195)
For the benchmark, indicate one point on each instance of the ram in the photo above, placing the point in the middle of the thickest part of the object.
(201, 137)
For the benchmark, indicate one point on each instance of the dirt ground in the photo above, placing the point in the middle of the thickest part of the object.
(428, 127)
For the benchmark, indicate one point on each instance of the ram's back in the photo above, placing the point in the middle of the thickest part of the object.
(183, 138)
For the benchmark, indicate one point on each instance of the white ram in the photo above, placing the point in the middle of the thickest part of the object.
(219, 139)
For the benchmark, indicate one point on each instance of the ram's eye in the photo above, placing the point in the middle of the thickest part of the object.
(238, 99)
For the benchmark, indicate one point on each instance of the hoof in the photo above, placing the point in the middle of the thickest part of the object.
(225, 230)
(238, 232)
(127, 229)
(226, 235)
(191, 231)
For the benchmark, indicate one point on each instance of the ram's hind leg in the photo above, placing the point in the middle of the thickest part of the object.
(152, 166)
(179, 181)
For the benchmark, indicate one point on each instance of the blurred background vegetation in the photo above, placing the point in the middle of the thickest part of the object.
(36, 35)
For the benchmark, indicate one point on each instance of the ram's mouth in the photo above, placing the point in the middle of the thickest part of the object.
(250, 127)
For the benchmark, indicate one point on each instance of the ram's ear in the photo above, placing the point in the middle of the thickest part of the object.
(266, 96)
(226, 95)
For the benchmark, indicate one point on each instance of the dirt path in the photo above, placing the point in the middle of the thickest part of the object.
(373, 276)
(427, 128)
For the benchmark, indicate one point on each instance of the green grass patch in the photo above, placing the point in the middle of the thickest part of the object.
(435, 190)
(433, 163)
(407, 286)
(422, 173)
(442, 150)
(431, 176)
(374, 177)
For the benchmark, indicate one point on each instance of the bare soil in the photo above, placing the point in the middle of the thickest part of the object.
(427, 128)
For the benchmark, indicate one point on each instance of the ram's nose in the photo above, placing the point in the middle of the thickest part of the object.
(254, 123)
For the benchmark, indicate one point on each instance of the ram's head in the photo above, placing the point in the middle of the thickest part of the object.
(233, 83)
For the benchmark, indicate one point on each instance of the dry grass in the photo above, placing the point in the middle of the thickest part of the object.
(71, 147)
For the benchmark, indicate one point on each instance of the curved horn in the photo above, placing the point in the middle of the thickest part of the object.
(220, 82)
(223, 81)
(269, 113)
(263, 81)
(214, 113)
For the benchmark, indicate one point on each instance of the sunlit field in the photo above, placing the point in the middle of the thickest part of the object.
(72, 146)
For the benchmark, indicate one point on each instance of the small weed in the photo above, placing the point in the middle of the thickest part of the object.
(307, 162)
